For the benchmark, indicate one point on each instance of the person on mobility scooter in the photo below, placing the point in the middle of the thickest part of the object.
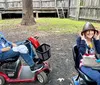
(9, 50)
(11, 68)
(88, 45)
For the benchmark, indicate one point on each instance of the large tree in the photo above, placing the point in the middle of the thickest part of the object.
(27, 16)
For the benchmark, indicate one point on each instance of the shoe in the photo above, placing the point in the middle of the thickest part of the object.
(36, 67)
(36, 59)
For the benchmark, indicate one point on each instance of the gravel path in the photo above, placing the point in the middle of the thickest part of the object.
(61, 51)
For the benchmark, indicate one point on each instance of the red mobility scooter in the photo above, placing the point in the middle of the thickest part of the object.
(13, 71)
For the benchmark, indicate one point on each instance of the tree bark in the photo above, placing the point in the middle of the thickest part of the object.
(27, 16)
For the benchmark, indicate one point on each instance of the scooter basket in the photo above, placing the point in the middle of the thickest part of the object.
(44, 52)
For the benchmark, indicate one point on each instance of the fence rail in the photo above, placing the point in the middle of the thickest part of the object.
(36, 4)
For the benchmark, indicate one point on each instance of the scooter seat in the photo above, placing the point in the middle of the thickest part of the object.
(13, 59)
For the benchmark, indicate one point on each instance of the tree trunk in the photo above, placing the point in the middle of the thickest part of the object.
(27, 16)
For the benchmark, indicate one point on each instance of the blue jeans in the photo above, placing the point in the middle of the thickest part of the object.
(28, 57)
(93, 74)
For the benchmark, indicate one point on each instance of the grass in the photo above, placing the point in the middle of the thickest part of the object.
(51, 24)
(9, 23)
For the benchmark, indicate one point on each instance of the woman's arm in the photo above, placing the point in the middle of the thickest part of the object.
(5, 49)
(97, 42)
(97, 45)
(10, 43)
(14, 44)
(81, 44)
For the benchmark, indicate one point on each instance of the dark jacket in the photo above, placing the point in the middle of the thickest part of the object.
(81, 45)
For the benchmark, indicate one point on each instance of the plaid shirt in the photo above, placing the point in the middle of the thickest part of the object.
(4, 42)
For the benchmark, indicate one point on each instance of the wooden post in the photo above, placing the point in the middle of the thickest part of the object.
(68, 13)
(0, 16)
(37, 16)
(77, 9)
(55, 3)
(40, 4)
(6, 4)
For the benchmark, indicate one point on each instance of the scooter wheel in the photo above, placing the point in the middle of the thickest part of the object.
(2, 80)
(42, 77)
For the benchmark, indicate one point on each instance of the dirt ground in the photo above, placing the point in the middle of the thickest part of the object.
(61, 51)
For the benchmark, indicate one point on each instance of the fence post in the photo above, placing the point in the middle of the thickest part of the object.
(68, 13)
(37, 16)
(78, 10)
(6, 4)
(55, 3)
(0, 16)
(40, 4)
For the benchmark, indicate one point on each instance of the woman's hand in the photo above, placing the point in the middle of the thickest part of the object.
(82, 36)
(97, 36)
(5, 49)
(14, 45)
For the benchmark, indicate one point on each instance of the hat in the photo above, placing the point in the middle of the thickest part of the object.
(88, 26)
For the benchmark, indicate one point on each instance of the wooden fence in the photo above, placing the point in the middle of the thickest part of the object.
(85, 9)
(8, 4)
(78, 9)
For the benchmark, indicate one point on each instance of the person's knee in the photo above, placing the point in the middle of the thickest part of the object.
(23, 49)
